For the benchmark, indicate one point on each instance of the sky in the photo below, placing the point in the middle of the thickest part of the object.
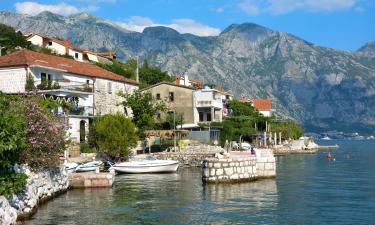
(340, 24)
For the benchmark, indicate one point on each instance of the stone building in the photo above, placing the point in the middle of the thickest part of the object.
(179, 98)
(89, 89)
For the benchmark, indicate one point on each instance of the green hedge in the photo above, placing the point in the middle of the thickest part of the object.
(12, 183)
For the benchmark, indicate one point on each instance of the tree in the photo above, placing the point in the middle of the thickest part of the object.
(234, 128)
(149, 75)
(113, 134)
(10, 39)
(145, 108)
(288, 128)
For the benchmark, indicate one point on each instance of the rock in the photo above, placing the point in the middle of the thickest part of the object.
(8, 214)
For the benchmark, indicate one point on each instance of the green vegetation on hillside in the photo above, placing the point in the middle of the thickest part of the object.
(148, 75)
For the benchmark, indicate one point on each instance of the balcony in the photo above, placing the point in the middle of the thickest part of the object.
(209, 103)
(74, 111)
(58, 87)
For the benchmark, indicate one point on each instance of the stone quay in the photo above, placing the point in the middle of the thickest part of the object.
(239, 167)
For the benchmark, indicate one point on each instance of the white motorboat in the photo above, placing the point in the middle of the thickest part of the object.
(70, 167)
(90, 166)
(147, 165)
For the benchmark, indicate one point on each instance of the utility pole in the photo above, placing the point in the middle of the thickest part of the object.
(174, 129)
(137, 72)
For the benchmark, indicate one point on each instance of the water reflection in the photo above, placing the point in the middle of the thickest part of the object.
(308, 190)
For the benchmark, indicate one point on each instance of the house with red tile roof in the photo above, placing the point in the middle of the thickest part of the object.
(262, 105)
(65, 47)
(89, 89)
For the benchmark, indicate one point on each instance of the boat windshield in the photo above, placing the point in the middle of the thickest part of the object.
(149, 157)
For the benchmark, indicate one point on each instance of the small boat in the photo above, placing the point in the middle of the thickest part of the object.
(70, 167)
(326, 138)
(147, 165)
(90, 166)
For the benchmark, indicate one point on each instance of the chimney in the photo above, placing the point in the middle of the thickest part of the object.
(67, 45)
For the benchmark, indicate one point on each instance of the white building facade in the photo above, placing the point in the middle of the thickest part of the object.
(87, 89)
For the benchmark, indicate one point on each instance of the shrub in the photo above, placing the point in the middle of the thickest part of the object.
(113, 135)
(12, 183)
(12, 131)
(30, 84)
(86, 148)
(45, 137)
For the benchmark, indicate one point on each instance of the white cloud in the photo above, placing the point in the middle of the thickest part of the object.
(138, 23)
(249, 7)
(33, 8)
(255, 7)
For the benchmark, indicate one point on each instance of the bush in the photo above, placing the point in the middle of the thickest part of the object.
(113, 135)
(45, 137)
(12, 183)
(12, 131)
(30, 84)
(86, 148)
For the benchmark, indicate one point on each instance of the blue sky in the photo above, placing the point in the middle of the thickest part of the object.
(341, 24)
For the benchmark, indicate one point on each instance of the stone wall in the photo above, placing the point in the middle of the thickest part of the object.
(40, 187)
(266, 163)
(229, 170)
(239, 167)
(185, 159)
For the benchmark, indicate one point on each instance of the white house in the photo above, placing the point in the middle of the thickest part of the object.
(208, 105)
(64, 47)
(89, 89)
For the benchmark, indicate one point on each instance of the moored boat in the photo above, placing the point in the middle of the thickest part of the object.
(70, 167)
(90, 166)
(147, 165)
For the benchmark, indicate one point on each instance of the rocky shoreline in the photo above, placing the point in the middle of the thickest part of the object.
(40, 188)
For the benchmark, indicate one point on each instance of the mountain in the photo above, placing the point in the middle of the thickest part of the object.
(323, 88)
(368, 49)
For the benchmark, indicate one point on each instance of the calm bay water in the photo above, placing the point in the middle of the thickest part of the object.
(308, 190)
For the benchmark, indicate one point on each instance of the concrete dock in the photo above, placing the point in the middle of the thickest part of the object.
(91, 180)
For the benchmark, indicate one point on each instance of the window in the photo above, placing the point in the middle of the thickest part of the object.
(49, 77)
(43, 76)
(49, 43)
(209, 117)
(158, 116)
(87, 82)
(171, 96)
(126, 111)
(200, 116)
(158, 96)
(76, 55)
(109, 87)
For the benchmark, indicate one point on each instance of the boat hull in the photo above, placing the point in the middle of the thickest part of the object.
(169, 167)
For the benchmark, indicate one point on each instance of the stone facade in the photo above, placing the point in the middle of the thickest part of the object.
(239, 169)
(40, 187)
(106, 98)
(181, 99)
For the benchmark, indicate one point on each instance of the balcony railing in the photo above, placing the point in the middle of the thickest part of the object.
(75, 111)
(69, 86)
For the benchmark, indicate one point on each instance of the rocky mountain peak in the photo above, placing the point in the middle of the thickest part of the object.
(368, 49)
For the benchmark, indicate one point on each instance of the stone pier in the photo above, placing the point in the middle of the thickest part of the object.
(239, 167)
(91, 180)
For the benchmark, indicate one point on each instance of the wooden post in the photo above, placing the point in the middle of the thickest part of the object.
(265, 139)
(280, 138)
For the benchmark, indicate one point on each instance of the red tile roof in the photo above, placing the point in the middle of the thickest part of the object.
(262, 104)
(31, 58)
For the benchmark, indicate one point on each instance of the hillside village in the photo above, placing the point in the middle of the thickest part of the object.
(65, 110)
(93, 91)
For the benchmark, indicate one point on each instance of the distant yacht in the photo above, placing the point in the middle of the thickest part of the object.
(326, 138)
